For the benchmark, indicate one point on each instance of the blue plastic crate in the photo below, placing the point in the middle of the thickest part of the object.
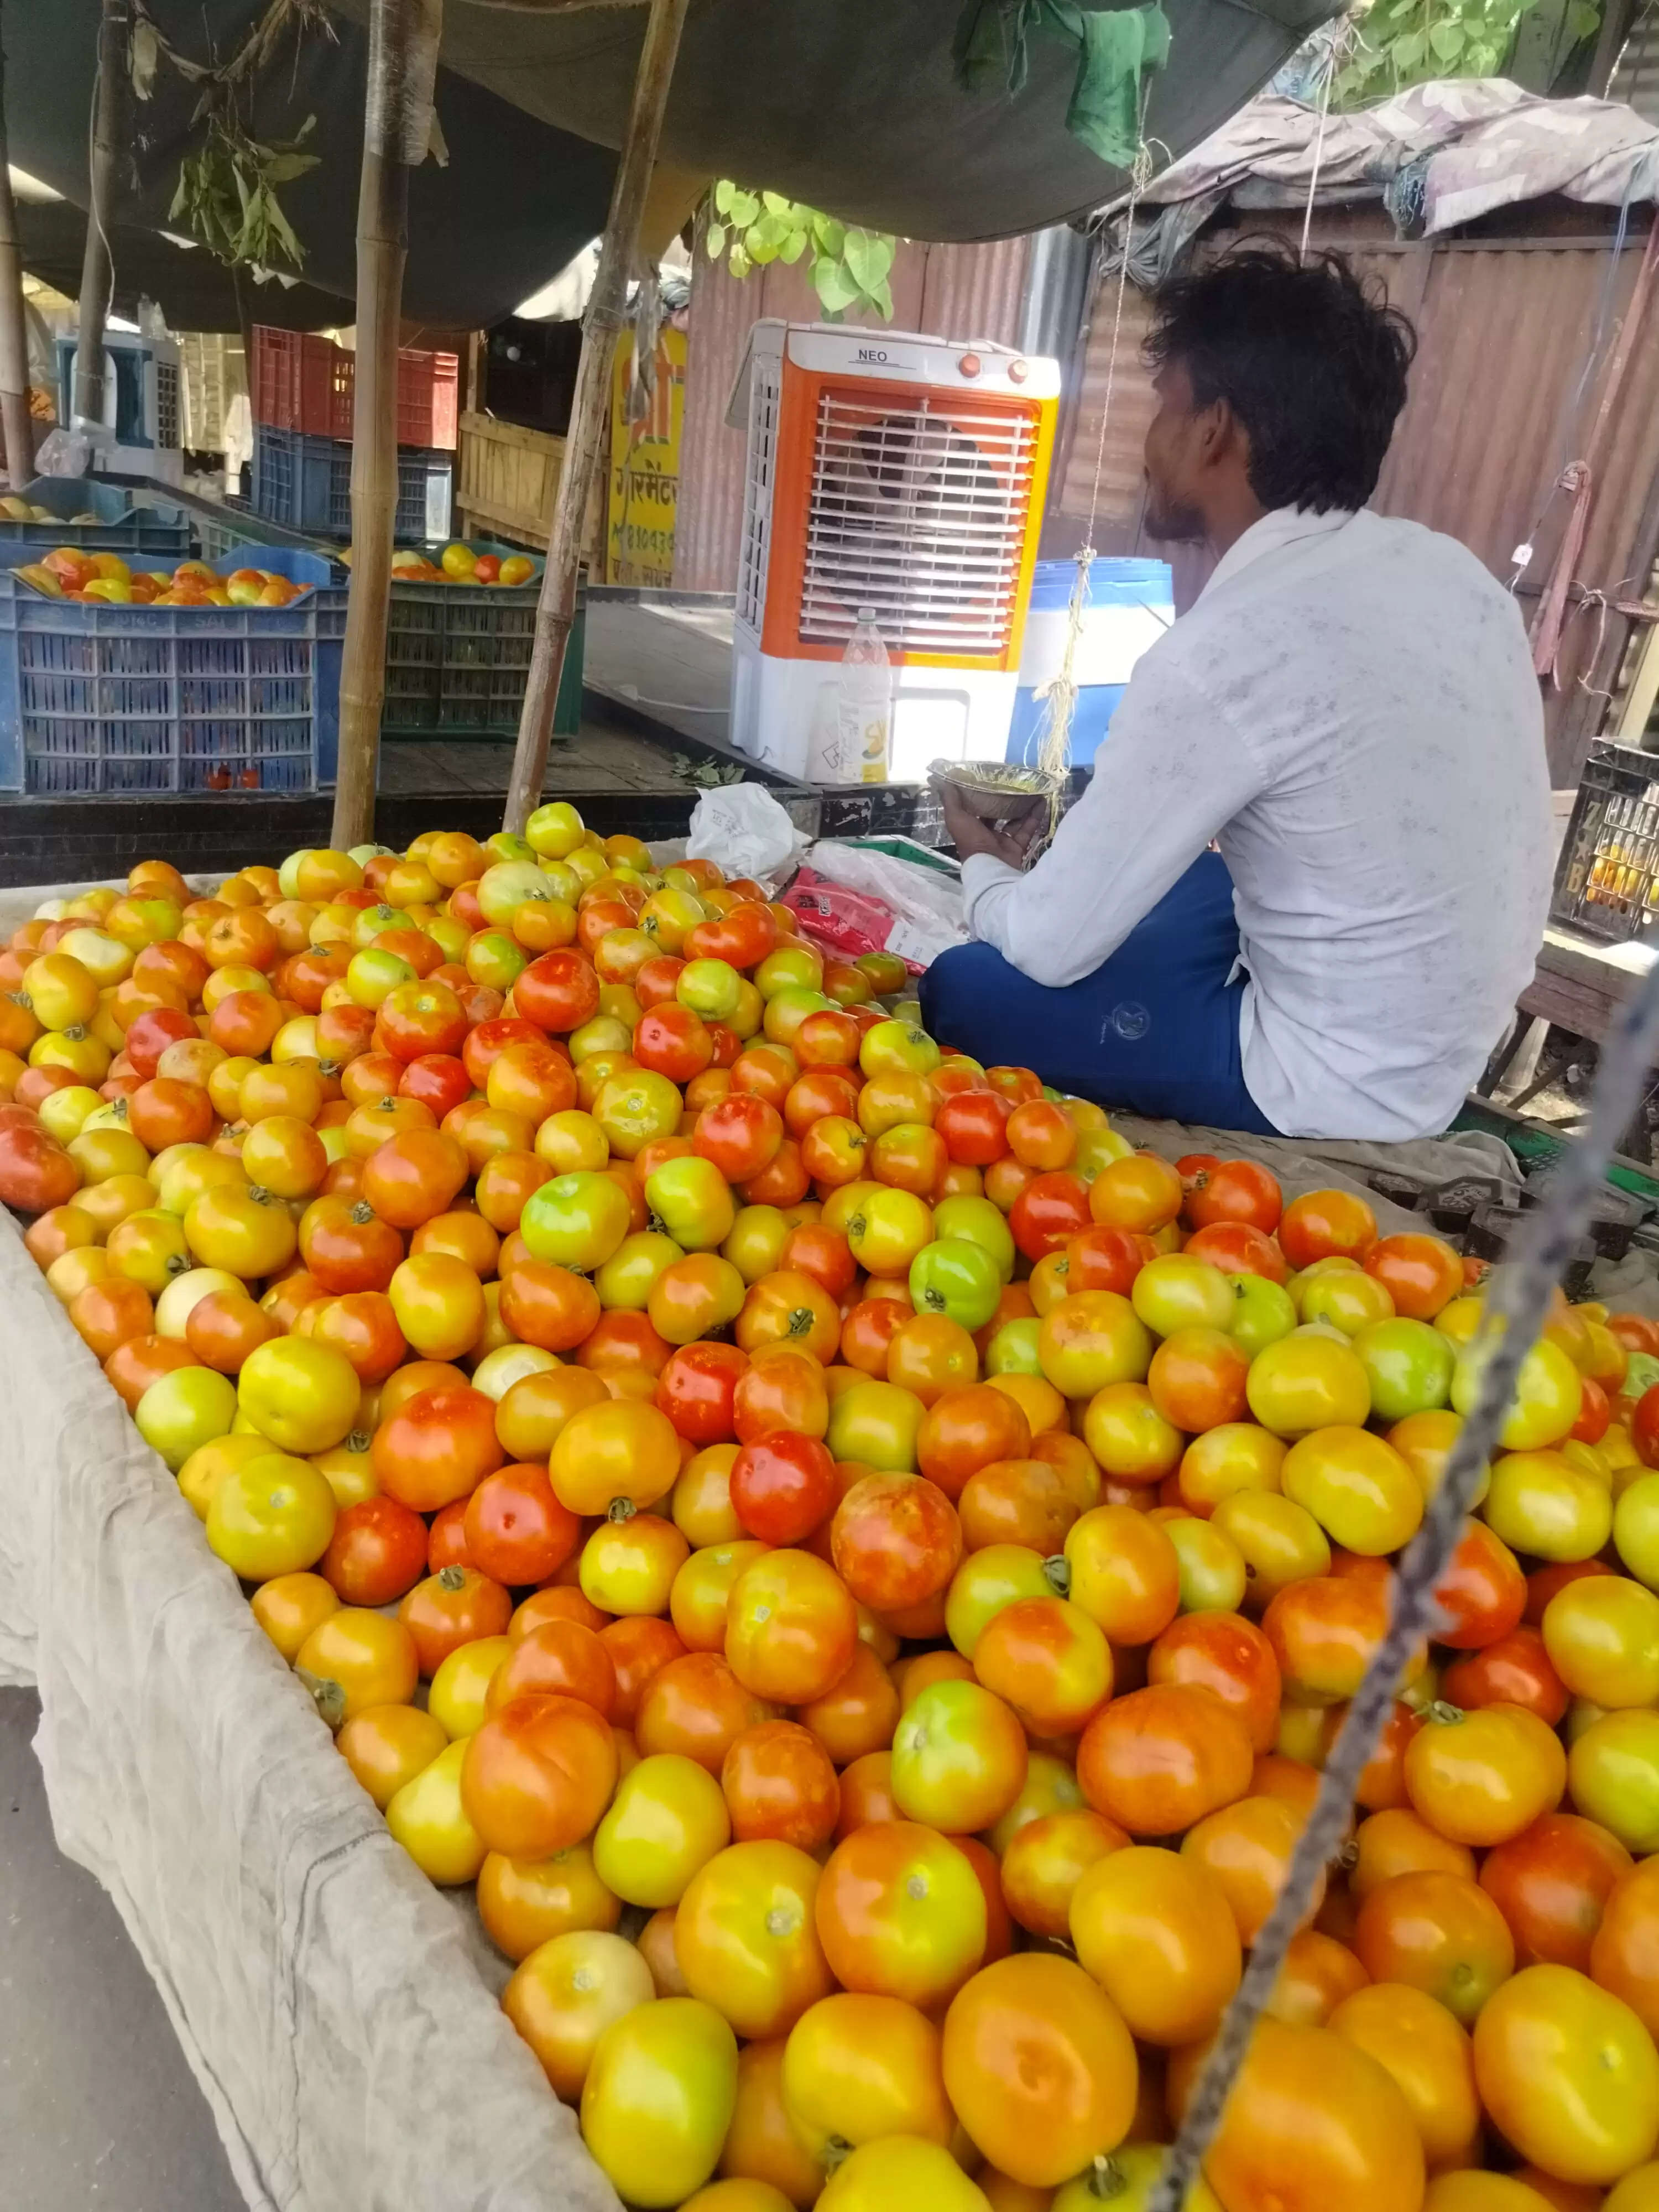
(121, 527)
(306, 483)
(101, 699)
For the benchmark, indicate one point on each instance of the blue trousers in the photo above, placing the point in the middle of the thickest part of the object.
(1154, 1030)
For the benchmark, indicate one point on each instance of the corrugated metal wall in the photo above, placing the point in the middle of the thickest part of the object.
(1505, 326)
(950, 291)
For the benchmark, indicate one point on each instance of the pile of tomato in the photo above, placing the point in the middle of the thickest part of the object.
(857, 1567)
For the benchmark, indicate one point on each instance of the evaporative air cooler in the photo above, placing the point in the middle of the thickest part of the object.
(896, 472)
(142, 419)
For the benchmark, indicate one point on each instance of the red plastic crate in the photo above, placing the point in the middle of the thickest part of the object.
(300, 382)
(305, 383)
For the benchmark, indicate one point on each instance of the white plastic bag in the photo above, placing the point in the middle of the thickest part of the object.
(743, 830)
(926, 905)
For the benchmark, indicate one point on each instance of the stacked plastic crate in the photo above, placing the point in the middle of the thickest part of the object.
(302, 389)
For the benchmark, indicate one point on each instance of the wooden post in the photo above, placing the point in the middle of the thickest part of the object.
(14, 337)
(555, 610)
(402, 57)
(109, 113)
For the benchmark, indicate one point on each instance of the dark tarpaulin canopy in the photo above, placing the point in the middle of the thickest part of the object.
(519, 197)
(850, 105)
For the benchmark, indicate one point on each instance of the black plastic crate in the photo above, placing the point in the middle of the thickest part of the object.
(1606, 881)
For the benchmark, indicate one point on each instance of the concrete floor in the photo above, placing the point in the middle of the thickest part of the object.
(97, 2105)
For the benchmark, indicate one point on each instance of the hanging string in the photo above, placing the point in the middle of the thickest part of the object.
(1319, 148)
(1058, 697)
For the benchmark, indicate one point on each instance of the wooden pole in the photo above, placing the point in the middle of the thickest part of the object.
(14, 337)
(398, 30)
(108, 118)
(555, 610)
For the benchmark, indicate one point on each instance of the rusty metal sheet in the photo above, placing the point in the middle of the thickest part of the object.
(1499, 404)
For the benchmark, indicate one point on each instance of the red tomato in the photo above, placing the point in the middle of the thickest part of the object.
(560, 991)
(516, 1530)
(1321, 1224)
(740, 1136)
(1238, 1248)
(782, 1486)
(1514, 1670)
(1483, 1590)
(1234, 1190)
(1049, 1211)
(973, 1125)
(1420, 1274)
(671, 1040)
(696, 1389)
(896, 1540)
(377, 1552)
(1101, 1258)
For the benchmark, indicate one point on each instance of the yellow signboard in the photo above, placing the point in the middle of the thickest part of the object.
(645, 467)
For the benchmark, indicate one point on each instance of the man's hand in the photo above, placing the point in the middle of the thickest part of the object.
(969, 834)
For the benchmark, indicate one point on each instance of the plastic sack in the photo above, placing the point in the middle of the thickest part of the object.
(743, 830)
(925, 903)
(64, 453)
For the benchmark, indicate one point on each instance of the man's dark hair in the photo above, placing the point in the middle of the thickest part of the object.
(1313, 366)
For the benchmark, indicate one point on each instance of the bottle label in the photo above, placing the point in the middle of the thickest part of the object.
(863, 745)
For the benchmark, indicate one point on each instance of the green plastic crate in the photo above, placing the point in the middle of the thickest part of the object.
(457, 658)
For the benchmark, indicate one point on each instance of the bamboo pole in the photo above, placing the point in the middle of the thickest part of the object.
(108, 117)
(556, 609)
(14, 425)
(397, 29)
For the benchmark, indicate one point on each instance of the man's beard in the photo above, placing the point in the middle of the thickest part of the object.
(1169, 522)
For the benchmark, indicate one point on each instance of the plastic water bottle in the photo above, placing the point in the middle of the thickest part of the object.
(864, 704)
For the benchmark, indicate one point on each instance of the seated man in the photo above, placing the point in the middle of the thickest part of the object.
(1348, 710)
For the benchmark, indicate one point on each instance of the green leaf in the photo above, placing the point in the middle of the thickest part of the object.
(794, 246)
(776, 204)
(1447, 41)
(282, 168)
(723, 191)
(743, 209)
(714, 241)
(831, 235)
(282, 233)
(740, 263)
(861, 256)
(835, 287)
(1409, 50)
(181, 198)
(1582, 19)
(882, 300)
(766, 236)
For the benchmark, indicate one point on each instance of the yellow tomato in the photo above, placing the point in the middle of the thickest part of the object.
(462, 1682)
(387, 1746)
(289, 1606)
(667, 1819)
(358, 1658)
(272, 1517)
(659, 2098)
(745, 1940)
(427, 1819)
(567, 1993)
(1569, 2074)
(303, 1394)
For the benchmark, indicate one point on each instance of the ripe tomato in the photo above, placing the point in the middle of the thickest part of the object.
(437, 1448)
(1234, 1191)
(1196, 1379)
(790, 1627)
(538, 1774)
(1324, 1225)
(1357, 1487)
(1552, 1883)
(1155, 1929)
(746, 1940)
(896, 1540)
(525, 1903)
(614, 1451)
(1050, 1210)
(1314, 2121)
(517, 1531)
(901, 1913)
(1624, 1953)
(1429, 2058)
(387, 1746)
(268, 1516)
(859, 2067)
(1041, 2063)
(1438, 1933)
(1420, 1274)
(1142, 1193)
(693, 1704)
(377, 1552)
(1301, 1383)
(1602, 1633)
(1160, 1758)
(452, 1608)
(1229, 1657)
(966, 1430)
(427, 1818)
(1569, 2074)
(567, 1993)
(781, 1786)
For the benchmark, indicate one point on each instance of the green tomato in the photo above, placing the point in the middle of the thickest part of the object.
(693, 1201)
(1613, 1777)
(876, 1423)
(709, 987)
(504, 846)
(554, 831)
(576, 1221)
(976, 1221)
(1262, 1313)
(1213, 1575)
(1016, 1349)
(956, 1279)
(1548, 1393)
(1409, 1366)
(1636, 1529)
(1176, 1290)
(184, 1410)
(993, 1578)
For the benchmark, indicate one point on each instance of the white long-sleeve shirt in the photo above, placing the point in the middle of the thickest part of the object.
(1349, 710)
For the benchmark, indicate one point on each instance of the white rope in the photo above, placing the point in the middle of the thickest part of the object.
(1319, 148)
(1058, 697)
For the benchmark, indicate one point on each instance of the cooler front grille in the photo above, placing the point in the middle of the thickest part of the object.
(759, 475)
(920, 512)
